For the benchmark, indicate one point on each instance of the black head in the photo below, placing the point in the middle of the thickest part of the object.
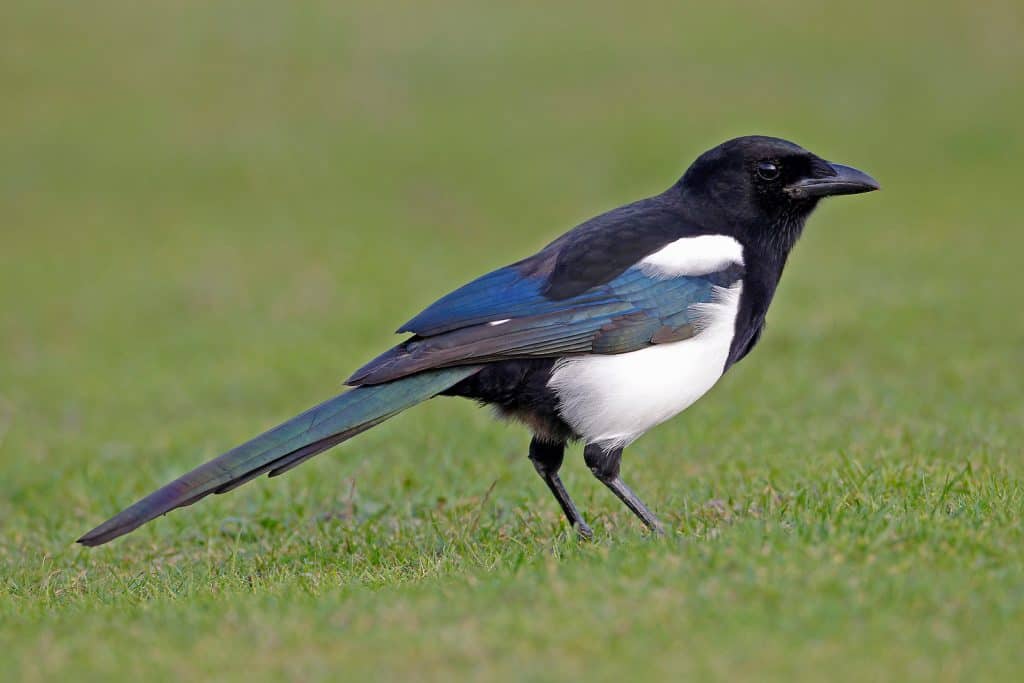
(762, 189)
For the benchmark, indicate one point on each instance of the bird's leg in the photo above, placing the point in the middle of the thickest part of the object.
(547, 459)
(604, 463)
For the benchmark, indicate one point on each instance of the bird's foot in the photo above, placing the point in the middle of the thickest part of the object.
(583, 530)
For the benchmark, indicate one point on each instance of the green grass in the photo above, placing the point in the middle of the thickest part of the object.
(211, 213)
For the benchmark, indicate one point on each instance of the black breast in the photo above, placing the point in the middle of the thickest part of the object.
(759, 283)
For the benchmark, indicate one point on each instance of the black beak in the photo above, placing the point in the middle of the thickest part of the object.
(844, 180)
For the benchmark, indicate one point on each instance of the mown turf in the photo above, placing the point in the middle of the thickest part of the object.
(211, 213)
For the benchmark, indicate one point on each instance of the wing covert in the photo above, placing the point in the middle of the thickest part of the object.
(632, 311)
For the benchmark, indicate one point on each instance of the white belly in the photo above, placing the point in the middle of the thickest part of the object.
(613, 399)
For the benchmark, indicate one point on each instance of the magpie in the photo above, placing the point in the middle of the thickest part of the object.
(611, 329)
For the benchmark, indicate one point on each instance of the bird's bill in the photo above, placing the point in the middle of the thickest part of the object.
(847, 180)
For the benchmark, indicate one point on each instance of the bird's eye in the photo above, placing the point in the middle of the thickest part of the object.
(768, 170)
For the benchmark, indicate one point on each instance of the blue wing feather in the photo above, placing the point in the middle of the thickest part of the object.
(583, 293)
(507, 293)
(625, 314)
(503, 293)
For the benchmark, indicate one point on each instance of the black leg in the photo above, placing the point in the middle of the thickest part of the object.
(604, 463)
(547, 459)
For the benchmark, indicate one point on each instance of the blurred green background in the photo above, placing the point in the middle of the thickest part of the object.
(212, 212)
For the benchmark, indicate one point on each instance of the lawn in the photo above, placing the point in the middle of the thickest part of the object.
(213, 212)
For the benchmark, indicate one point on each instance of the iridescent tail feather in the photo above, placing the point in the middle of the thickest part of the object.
(283, 447)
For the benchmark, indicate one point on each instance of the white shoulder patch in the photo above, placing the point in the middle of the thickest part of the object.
(693, 256)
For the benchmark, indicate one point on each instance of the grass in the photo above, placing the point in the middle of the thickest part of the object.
(212, 213)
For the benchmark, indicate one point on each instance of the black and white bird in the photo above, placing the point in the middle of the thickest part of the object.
(613, 328)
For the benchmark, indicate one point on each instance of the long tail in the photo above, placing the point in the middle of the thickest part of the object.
(283, 447)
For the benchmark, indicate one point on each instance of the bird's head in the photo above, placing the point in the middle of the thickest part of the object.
(764, 188)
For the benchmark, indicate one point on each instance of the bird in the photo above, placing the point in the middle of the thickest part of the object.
(614, 327)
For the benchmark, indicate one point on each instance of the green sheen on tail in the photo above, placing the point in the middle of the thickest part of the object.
(283, 447)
